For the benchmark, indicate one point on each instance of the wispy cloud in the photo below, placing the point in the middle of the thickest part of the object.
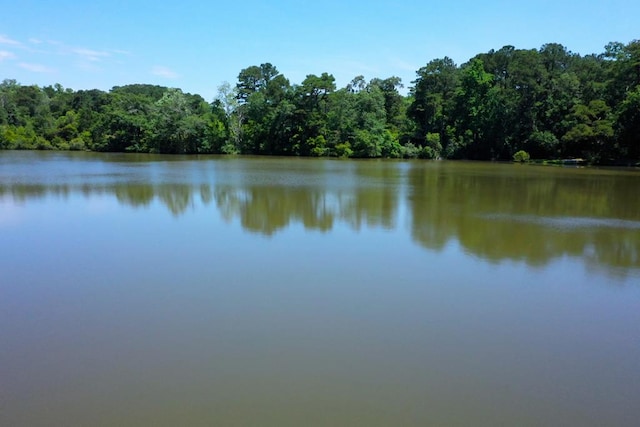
(6, 55)
(6, 40)
(165, 72)
(403, 65)
(38, 55)
(36, 68)
(90, 54)
(88, 66)
(121, 52)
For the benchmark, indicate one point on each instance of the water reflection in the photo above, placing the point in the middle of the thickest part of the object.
(267, 210)
(496, 212)
(530, 215)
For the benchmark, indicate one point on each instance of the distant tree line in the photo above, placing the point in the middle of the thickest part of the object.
(550, 102)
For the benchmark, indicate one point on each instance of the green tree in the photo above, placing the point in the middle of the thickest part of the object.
(393, 102)
(628, 125)
(228, 100)
(312, 102)
(433, 100)
(265, 114)
(125, 124)
(175, 126)
(591, 133)
(472, 108)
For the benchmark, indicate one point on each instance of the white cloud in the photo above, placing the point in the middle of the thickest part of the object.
(90, 54)
(165, 72)
(403, 65)
(6, 40)
(36, 68)
(6, 55)
(88, 66)
(41, 51)
(121, 52)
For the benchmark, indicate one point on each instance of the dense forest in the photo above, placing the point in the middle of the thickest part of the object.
(550, 103)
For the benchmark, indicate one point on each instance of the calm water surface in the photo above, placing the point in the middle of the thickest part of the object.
(164, 291)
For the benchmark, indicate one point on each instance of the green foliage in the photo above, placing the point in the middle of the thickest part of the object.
(433, 148)
(543, 145)
(80, 143)
(549, 102)
(591, 131)
(344, 150)
(391, 147)
(410, 151)
(628, 124)
(367, 144)
(317, 146)
(521, 156)
(433, 99)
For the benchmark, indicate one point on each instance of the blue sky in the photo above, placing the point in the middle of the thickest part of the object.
(197, 45)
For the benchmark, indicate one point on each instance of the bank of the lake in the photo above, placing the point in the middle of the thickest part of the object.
(548, 102)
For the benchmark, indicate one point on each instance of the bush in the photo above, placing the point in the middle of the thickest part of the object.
(391, 147)
(434, 145)
(410, 151)
(77, 144)
(543, 144)
(317, 146)
(428, 153)
(229, 148)
(521, 156)
(344, 150)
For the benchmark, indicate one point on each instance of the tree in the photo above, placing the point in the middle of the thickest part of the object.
(176, 127)
(549, 102)
(125, 124)
(256, 78)
(311, 100)
(472, 109)
(8, 107)
(265, 111)
(628, 124)
(624, 69)
(393, 101)
(227, 99)
(591, 132)
(433, 97)
(370, 138)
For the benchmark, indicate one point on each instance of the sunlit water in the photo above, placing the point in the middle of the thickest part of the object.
(149, 290)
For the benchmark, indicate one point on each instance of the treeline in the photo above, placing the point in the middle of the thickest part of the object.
(549, 102)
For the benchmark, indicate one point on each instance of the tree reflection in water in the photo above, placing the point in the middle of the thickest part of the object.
(496, 212)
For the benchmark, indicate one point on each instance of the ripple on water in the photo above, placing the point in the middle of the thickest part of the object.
(566, 222)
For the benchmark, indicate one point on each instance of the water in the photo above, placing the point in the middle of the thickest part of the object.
(152, 290)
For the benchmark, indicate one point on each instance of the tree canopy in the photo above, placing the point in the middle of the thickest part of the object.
(548, 102)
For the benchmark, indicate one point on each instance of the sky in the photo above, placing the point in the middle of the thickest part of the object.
(198, 45)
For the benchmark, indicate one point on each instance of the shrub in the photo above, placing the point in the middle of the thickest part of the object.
(410, 151)
(344, 150)
(521, 156)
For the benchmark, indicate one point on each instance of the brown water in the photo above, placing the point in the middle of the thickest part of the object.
(149, 290)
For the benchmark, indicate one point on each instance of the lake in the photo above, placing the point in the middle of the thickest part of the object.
(237, 291)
